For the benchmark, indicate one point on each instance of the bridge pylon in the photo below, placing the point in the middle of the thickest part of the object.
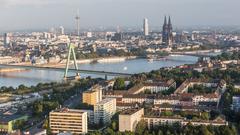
(71, 51)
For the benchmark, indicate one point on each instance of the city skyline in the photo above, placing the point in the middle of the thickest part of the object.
(42, 14)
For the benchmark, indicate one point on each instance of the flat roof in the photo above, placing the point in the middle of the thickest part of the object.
(66, 110)
(89, 91)
(7, 118)
(106, 100)
(130, 111)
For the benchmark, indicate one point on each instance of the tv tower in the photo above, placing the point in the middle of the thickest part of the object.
(77, 18)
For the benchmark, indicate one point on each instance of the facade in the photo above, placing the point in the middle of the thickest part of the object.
(160, 86)
(104, 110)
(153, 121)
(61, 30)
(93, 96)
(138, 98)
(171, 100)
(153, 87)
(128, 119)
(6, 39)
(206, 98)
(145, 27)
(90, 115)
(68, 120)
(219, 85)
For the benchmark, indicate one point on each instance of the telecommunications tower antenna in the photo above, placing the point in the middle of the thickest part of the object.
(77, 18)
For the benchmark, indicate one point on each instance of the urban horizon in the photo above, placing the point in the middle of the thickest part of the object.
(119, 67)
(136, 28)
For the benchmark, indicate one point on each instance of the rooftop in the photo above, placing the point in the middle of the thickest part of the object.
(130, 111)
(67, 110)
(89, 91)
(106, 100)
(7, 118)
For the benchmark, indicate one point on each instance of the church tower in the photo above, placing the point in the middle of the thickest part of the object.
(170, 35)
(165, 31)
(167, 36)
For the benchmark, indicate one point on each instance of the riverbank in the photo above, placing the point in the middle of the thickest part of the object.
(5, 70)
(200, 51)
(104, 60)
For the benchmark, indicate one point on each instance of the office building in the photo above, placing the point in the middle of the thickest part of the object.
(68, 120)
(92, 96)
(90, 114)
(128, 119)
(104, 110)
(6, 40)
(61, 30)
(145, 27)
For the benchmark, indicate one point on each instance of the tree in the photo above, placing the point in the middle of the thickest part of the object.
(114, 125)
(119, 84)
(38, 108)
(109, 131)
(160, 132)
(141, 127)
(205, 116)
(19, 124)
(204, 130)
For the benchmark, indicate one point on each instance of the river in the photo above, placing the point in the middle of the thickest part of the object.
(33, 77)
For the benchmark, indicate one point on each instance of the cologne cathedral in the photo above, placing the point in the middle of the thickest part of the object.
(167, 36)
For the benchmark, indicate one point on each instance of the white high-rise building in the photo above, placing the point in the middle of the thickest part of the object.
(104, 110)
(89, 34)
(61, 30)
(145, 27)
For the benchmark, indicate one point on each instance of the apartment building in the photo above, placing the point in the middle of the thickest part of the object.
(104, 110)
(153, 121)
(92, 96)
(128, 119)
(172, 100)
(68, 120)
(153, 87)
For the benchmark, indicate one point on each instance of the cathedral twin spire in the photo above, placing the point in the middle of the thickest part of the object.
(169, 24)
(167, 36)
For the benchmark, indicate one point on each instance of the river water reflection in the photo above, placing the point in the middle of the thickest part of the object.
(33, 77)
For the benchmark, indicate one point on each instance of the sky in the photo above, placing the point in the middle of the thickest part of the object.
(43, 14)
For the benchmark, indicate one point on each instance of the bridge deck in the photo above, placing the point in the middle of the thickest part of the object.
(70, 70)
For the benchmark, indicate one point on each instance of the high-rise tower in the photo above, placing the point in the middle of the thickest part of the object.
(145, 27)
(77, 18)
(61, 30)
(6, 40)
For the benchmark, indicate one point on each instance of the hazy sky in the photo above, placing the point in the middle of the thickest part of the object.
(36, 14)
